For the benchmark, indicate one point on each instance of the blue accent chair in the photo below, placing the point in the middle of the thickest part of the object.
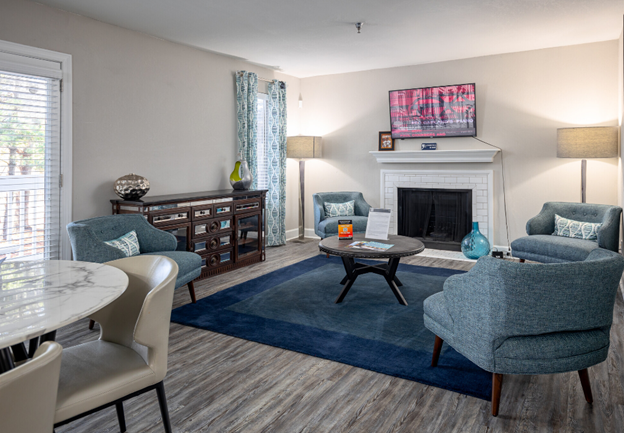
(520, 318)
(541, 246)
(325, 226)
(87, 240)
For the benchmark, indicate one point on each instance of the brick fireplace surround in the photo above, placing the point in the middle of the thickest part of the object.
(479, 181)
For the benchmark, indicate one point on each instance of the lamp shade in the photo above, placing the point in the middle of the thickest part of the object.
(587, 142)
(304, 147)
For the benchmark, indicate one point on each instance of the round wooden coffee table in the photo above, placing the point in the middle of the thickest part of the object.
(402, 247)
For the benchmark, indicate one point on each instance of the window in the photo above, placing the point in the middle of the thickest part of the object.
(263, 169)
(35, 147)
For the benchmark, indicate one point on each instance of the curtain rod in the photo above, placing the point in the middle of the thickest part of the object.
(259, 78)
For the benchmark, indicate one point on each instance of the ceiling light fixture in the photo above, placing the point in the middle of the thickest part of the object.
(358, 26)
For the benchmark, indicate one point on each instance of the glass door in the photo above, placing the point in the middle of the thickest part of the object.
(248, 234)
(30, 159)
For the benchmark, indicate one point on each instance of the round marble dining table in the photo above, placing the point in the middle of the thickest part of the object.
(41, 296)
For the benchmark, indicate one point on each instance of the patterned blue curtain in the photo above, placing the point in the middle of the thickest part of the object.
(276, 156)
(247, 120)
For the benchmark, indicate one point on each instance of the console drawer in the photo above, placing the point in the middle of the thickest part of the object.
(211, 244)
(202, 213)
(171, 218)
(205, 228)
(248, 206)
(213, 260)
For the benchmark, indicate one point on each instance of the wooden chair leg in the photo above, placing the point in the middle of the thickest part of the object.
(191, 288)
(91, 324)
(586, 385)
(120, 416)
(497, 383)
(437, 347)
(162, 402)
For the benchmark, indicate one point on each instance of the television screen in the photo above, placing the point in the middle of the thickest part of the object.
(444, 111)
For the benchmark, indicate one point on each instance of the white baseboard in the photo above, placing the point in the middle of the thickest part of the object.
(294, 234)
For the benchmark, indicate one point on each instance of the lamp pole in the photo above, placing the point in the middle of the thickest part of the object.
(583, 180)
(301, 199)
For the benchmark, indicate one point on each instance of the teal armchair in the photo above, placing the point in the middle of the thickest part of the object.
(541, 246)
(520, 318)
(325, 226)
(87, 240)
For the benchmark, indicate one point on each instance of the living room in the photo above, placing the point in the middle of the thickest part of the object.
(167, 111)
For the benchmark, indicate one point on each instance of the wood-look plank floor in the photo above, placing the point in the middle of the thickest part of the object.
(218, 383)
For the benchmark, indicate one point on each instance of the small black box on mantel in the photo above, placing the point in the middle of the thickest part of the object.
(428, 146)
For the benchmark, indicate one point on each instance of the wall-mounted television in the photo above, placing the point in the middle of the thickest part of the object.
(443, 111)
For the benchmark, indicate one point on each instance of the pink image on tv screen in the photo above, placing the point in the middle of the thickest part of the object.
(444, 111)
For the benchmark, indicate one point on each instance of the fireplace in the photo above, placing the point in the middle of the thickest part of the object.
(480, 182)
(440, 218)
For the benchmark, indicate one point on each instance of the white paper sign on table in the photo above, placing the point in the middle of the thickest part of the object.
(378, 224)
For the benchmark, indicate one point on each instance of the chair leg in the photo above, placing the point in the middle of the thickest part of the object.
(583, 374)
(91, 324)
(162, 402)
(497, 383)
(120, 416)
(191, 288)
(437, 347)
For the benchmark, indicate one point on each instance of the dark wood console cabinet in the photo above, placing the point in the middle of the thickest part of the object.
(226, 228)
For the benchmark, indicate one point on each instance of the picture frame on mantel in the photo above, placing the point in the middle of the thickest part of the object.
(386, 142)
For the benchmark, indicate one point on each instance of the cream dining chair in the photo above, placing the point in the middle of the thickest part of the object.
(28, 392)
(130, 357)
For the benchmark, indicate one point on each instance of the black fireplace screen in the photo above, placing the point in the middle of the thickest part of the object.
(440, 218)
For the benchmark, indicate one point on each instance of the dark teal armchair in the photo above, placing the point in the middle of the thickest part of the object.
(541, 246)
(520, 318)
(325, 226)
(87, 240)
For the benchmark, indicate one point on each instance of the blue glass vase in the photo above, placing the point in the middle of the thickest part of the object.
(474, 244)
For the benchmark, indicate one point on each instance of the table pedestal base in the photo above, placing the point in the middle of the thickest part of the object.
(388, 271)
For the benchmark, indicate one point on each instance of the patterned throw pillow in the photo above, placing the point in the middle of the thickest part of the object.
(576, 229)
(340, 209)
(128, 244)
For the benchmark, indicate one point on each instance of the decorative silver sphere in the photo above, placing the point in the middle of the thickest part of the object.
(131, 186)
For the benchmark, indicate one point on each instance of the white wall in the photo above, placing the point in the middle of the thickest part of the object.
(522, 99)
(141, 104)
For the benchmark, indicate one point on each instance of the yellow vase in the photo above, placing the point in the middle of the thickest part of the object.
(241, 178)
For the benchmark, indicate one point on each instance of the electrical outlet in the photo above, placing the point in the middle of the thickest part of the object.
(497, 254)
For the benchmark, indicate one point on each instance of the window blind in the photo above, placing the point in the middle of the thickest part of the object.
(30, 161)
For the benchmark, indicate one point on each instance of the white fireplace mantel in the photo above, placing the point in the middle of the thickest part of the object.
(435, 156)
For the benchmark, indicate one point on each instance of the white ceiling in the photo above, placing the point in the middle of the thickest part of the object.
(318, 37)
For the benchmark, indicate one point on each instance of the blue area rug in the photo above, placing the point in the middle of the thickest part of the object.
(293, 308)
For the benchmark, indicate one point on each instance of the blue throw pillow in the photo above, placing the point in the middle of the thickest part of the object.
(576, 229)
(340, 209)
(128, 244)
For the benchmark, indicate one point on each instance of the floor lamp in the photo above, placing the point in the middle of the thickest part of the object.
(302, 148)
(587, 142)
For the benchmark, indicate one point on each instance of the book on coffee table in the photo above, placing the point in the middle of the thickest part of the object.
(373, 246)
